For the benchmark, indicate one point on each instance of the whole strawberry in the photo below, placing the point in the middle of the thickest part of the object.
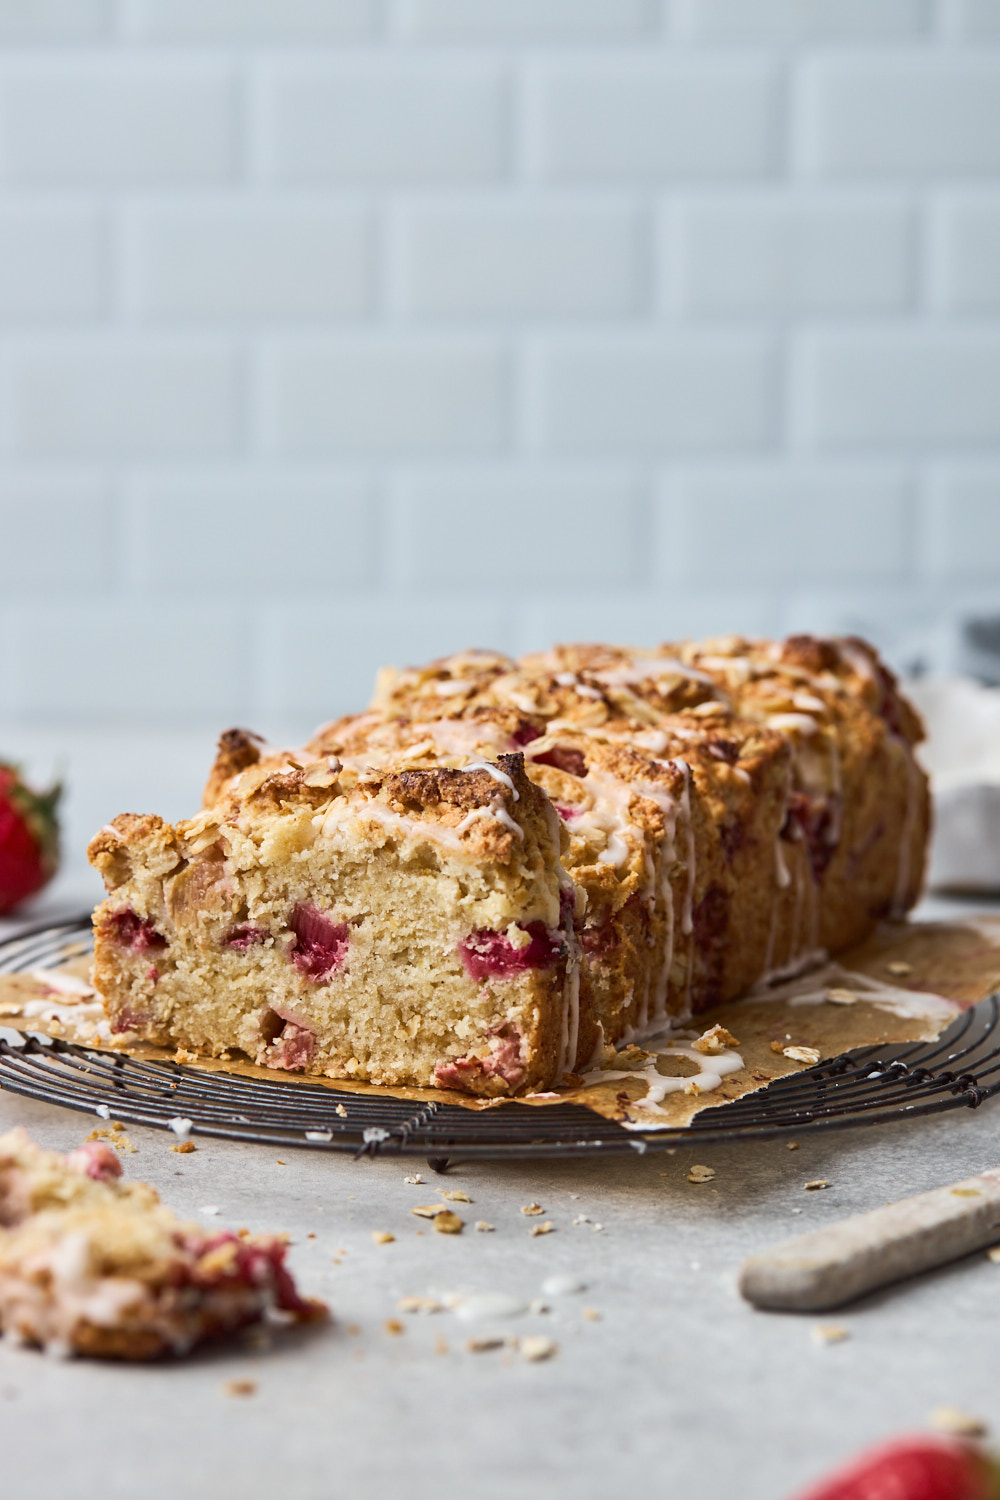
(913, 1468)
(29, 837)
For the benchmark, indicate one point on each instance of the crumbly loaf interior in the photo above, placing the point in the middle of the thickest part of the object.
(94, 1265)
(376, 931)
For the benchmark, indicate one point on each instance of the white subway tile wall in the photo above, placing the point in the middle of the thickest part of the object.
(346, 331)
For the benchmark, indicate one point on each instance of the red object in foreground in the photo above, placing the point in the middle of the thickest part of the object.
(913, 1468)
(29, 838)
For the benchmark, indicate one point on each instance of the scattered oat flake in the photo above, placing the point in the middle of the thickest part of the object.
(994, 1255)
(841, 996)
(591, 1314)
(341, 1111)
(816, 1184)
(701, 1174)
(483, 1227)
(791, 1145)
(537, 1346)
(547, 1228)
(448, 1223)
(240, 1387)
(115, 1135)
(393, 1326)
(455, 1195)
(829, 1333)
(961, 1423)
(582, 1218)
(532, 1208)
(419, 1305)
(899, 967)
(483, 1345)
(428, 1210)
(808, 1055)
(382, 1237)
(716, 1040)
(184, 1148)
(415, 1180)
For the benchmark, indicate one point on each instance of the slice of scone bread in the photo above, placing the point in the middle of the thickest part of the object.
(90, 1264)
(403, 926)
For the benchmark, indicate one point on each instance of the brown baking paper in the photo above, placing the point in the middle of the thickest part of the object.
(958, 962)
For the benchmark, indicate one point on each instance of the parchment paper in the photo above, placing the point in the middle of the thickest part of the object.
(958, 963)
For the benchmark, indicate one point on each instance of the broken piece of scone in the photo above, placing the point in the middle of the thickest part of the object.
(90, 1264)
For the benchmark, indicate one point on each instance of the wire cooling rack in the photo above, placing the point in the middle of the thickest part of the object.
(868, 1086)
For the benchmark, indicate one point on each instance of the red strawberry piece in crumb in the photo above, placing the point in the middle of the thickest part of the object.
(320, 943)
(913, 1468)
(153, 974)
(225, 1259)
(244, 936)
(563, 758)
(566, 813)
(492, 955)
(290, 1043)
(128, 1019)
(29, 838)
(95, 1159)
(524, 734)
(132, 931)
(505, 1061)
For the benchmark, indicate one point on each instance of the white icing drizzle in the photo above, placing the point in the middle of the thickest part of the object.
(460, 736)
(906, 836)
(608, 816)
(64, 984)
(687, 919)
(782, 872)
(802, 963)
(858, 660)
(803, 723)
(813, 988)
(570, 1034)
(500, 814)
(712, 1068)
(808, 704)
(571, 1007)
(495, 772)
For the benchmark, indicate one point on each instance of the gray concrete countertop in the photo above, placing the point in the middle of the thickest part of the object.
(680, 1386)
(677, 1386)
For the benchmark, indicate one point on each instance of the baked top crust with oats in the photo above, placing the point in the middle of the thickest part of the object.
(91, 1264)
(503, 865)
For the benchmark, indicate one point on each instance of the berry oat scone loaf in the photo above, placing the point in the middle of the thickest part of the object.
(727, 809)
(90, 1264)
